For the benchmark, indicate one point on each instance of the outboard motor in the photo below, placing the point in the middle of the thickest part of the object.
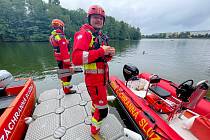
(5, 78)
(130, 71)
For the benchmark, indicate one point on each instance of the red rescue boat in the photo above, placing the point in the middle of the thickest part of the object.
(17, 102)
(161, 109)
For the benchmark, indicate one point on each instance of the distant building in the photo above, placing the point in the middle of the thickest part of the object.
(168, 35)
(196, 33)
(184, 34)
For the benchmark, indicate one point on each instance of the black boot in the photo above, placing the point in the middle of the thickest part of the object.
(72, 92)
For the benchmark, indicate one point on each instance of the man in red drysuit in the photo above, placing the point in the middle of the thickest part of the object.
(91, 49)
(61, 52)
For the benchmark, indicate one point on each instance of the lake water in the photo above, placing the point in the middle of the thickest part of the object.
(177, 60)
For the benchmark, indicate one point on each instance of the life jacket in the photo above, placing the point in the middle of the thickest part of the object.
(100, 65)
(98, 39)
(56, 36)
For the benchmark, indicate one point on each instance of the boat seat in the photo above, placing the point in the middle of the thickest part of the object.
(5, 101)
(15, 87)
(160, 91)
(17, 83)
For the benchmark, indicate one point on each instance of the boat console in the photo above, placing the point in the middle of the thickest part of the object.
(184, 90)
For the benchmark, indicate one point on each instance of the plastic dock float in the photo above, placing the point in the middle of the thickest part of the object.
(68, 117)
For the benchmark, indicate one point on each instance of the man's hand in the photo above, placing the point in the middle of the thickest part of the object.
(112, 51)
(108, 50)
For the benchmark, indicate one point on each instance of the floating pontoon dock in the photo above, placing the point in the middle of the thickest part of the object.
(67, 117)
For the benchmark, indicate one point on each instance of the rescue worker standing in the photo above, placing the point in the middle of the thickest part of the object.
(61, 52)
(91, 50)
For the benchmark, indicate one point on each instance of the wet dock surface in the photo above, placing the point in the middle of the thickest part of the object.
(68, 117)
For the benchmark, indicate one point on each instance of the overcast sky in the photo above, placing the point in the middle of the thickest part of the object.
(153, 16)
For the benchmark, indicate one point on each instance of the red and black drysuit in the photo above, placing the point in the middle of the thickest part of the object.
(87, 51)
(61, 52)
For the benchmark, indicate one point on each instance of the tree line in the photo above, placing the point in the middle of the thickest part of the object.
(29, 20)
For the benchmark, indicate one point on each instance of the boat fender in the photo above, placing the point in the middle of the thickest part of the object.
(28, 120)
(111, 98)
(189, 122)
(132, 135)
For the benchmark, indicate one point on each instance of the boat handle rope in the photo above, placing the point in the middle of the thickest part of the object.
(150, 117)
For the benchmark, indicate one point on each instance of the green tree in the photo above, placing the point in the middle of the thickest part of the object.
(122, 34)
(56, 2)
(29, 20)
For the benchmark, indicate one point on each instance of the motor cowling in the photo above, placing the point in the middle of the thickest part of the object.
(130, 71)
(5, 78)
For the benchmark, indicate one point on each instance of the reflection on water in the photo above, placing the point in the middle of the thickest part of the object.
(177, 60)
(26, 58)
